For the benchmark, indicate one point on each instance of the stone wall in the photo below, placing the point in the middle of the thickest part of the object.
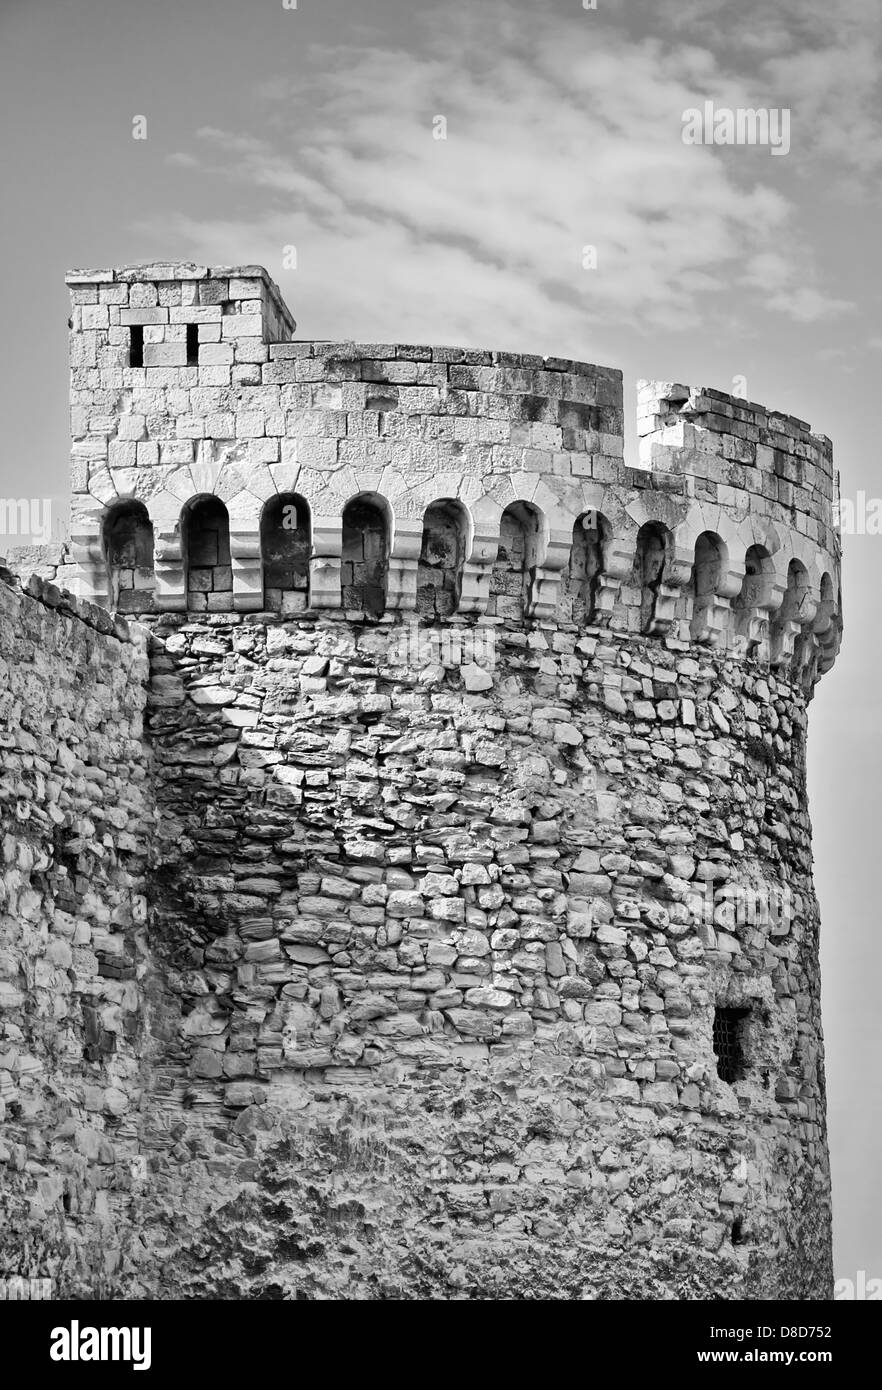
(76, 818)
(426, 1007)
(446, 952)
(448, 930)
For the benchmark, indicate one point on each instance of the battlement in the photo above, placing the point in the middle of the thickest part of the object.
(163, 297)
(219, 465)
(778, 457)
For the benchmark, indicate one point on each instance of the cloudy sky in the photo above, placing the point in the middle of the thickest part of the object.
(315, 128)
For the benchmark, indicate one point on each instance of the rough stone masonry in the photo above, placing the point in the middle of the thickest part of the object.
(406, 859)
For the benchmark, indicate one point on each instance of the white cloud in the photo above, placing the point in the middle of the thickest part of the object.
(778, 275)
(821, 59)
(553, 146)
(808, 305)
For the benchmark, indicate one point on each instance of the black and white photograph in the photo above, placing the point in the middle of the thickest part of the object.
(440, 753)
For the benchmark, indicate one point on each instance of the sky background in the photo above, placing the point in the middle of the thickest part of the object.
(312, 127)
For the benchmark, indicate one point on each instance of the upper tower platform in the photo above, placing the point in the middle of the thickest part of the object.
(186, 385)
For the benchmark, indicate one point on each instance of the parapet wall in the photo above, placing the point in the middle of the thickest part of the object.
(251, 419)
(744, 457)
(76, 814)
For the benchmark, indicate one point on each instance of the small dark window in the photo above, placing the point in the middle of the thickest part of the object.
(206, 538)
(365, 557)
(650, 561)
(511, 583)
(729, 1043)
(136, 345)
(737, 1232)
(192, 344)
(285, 547)
(128, 547)
(439, 575)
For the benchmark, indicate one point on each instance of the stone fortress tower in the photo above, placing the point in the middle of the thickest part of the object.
(447, 930)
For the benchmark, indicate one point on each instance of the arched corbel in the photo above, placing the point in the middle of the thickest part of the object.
(247, 565)
(714, 624)
(89, 577)
(828, 646)
(827, 613)
(325, 562)
(404, 558)
(170, 593)
(478, 567)
(477, 572)
(618, 562)
(797, 612)
(820, 645)
(545, 589)
(90, 580)
(676, 575)
(760, 597)
(245, 555)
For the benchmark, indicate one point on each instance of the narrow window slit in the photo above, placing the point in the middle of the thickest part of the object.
(728, 1042)
(192, 344)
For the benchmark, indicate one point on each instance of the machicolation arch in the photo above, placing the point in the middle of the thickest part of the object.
(752, 608)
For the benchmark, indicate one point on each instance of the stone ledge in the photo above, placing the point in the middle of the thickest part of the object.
(349, 350)
(51, 596)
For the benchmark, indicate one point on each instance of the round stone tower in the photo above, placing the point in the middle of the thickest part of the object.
(482, 951)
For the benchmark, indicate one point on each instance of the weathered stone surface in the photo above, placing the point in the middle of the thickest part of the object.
(76, 817)
(384, 960)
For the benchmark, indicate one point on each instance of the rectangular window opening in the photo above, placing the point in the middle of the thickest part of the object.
(728, 1040)
(192, 344)
(136, 345)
